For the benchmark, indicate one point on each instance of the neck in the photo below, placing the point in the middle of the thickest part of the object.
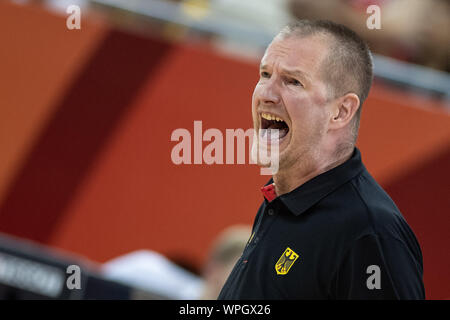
(290, 178)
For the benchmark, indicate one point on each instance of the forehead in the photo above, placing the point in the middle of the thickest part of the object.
(305, 53)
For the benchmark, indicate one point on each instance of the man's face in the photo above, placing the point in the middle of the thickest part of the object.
(291, 88)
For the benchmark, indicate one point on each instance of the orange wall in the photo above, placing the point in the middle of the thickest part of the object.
(86, 147)
(39, 58)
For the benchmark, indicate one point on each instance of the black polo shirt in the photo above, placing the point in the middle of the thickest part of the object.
(338, 236)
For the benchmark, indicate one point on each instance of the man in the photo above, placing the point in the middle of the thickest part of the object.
(225, 251)
(326, 229)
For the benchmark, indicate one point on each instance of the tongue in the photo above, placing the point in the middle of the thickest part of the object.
(282, 129)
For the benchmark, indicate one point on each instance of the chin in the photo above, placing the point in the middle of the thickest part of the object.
(264, 157)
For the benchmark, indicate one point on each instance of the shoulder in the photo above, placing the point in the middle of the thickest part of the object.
(361, 207)
(379, 216)
(383, 215)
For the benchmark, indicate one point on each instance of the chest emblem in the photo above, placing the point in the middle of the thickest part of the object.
(286, 261)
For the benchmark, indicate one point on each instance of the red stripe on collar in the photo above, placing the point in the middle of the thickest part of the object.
(269, 192)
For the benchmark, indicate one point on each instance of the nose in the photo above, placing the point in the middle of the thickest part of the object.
(268, 93)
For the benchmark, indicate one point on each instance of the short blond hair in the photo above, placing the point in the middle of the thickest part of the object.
(348, 66)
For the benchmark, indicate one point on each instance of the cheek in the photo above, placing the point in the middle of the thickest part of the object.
(253, 101)
(300, 111)
(307, 116)
(255, 98)
(254, 107)
(319, 96)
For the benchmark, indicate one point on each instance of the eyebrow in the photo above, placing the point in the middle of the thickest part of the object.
(293, 72)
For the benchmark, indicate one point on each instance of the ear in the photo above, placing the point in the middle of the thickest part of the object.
(343, 111)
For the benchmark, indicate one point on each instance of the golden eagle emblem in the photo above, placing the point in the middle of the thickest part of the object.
(286, 261)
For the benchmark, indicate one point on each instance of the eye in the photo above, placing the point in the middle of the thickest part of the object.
(265, 74)
(294, 82)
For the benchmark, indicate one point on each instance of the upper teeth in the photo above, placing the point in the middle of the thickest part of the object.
(270, 117)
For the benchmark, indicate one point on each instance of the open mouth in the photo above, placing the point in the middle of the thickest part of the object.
(272, 122)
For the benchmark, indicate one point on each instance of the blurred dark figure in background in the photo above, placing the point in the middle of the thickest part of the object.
(224, 253)
(415, 31)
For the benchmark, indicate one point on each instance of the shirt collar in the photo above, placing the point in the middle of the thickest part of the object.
(269, 191)
(312, 191)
